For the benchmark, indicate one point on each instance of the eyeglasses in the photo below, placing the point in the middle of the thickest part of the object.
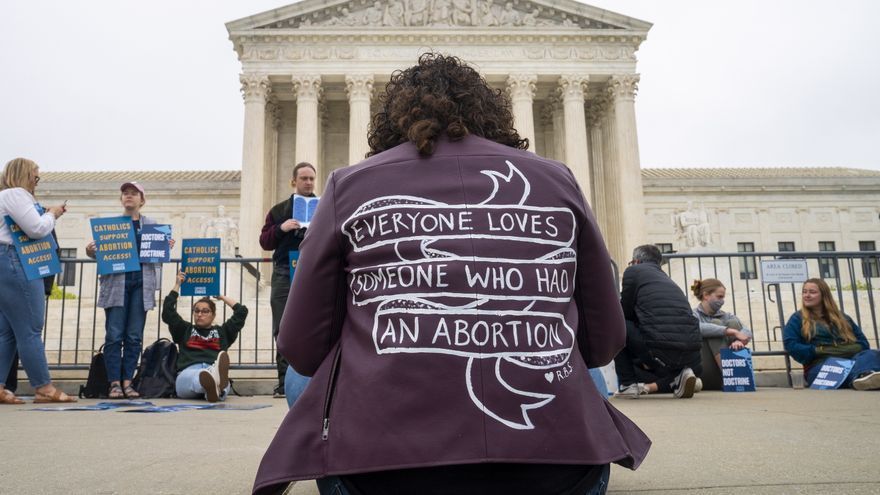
(202, 311)
(36, 179)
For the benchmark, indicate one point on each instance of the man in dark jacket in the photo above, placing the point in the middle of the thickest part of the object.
(662, 352)
(282, 234)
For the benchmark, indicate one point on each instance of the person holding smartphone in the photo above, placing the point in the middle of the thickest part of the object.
(22, 301)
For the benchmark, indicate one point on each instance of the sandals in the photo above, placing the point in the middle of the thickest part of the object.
(116, 392)
(131, 393)
(7, 397)
(56, 396)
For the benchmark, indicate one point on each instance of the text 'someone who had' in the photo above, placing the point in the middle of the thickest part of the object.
(116, 249)
(201, 263)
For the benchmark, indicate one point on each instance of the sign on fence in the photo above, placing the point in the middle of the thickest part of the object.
(784, 271)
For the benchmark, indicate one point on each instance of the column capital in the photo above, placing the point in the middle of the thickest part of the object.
(522, 86)
(255, 87)
(359, 86)
(623, 86)
(573, 87)
(307, 86)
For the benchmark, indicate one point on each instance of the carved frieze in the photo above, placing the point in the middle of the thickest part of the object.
(439, 13)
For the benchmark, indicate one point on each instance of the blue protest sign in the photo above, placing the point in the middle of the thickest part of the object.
(304, 208)
(155, 247)
(115, 245)
(39, 257)
(201, 263)
(736, 371)
(832, 374)
(294, 259)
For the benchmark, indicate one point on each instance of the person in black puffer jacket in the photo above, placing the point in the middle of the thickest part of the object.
(662, 353)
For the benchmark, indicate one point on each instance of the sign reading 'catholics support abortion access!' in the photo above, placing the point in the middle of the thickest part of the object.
(115, 248)
(39, 257)
(201, 263)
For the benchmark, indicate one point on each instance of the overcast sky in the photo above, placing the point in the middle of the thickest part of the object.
(126, 85)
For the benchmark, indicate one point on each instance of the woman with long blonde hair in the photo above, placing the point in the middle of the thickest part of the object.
(22, 301)
(819, 331)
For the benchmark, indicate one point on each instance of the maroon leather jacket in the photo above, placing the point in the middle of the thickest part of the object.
(447, 308)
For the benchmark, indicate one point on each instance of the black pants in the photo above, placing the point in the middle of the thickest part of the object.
(12, 378)
(639, 363)
(277, 300)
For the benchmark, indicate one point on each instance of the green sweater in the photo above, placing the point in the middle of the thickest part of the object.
(200, 345)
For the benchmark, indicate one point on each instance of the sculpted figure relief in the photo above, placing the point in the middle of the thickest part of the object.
(414, 13)
(692, 225)
(224, 228)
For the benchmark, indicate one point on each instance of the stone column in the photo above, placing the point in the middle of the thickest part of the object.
(308, 91)
(547, 127)
(558, 128)
(597, 169)
(572, 88)
(255, 89)
(360, 92)
(522, 94)
(627, 171)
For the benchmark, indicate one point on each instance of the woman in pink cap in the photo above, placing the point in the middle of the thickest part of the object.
(126, 298)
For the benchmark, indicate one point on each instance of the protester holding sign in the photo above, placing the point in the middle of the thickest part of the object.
(820, 333)
(450, 295)
(720, 329)
(22, 301)
(202, 362)
(126, 298)
(282, 234)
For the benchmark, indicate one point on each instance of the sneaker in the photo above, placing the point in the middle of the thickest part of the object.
(870, 381)
(684, 384)
(209, 382)
(698, 387)
(632, 391)
(222, 367)
(278, 393)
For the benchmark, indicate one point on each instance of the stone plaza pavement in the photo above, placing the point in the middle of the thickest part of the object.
(772, 441)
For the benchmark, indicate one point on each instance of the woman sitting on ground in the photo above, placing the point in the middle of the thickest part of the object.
(820, 331)
(202, 361)
(720, 329)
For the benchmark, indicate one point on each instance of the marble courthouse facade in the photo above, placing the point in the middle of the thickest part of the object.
(312, 71)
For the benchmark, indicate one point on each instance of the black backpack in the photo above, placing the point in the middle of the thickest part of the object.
(157, 373)
(97, 386)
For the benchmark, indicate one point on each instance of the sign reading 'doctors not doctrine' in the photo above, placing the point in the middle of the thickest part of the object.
(737, 374)
(155, 246)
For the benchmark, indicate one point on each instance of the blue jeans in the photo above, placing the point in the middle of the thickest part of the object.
(187, 384)
(294, 385)
(22, 303)
(124, 339)
(865, 362)
(333, 485)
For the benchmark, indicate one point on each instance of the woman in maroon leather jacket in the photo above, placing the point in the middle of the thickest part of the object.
(451, 291)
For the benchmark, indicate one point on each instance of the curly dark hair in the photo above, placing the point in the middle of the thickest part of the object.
(441, 95)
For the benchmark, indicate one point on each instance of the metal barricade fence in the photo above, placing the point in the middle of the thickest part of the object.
(74, 326)
(765, 307)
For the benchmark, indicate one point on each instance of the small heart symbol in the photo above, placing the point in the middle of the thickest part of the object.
(549, 376)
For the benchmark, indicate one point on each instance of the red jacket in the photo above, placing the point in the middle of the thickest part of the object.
(447, 308)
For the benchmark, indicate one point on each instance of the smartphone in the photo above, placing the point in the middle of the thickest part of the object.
(64, 205)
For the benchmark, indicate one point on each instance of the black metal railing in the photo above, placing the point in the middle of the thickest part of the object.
(74, 327)
(767, 306)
